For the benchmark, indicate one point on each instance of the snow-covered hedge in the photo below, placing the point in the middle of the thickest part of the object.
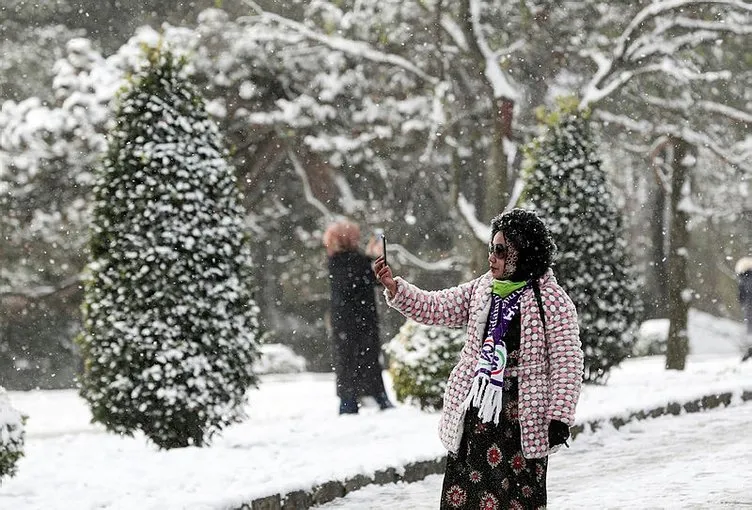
(11, 435)
(651, 338)
(421, 358)
(278, 359)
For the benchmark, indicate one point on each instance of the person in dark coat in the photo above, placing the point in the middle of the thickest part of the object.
(744, 273)
(354, 319)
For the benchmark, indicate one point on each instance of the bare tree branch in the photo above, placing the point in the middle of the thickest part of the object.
(650, 46)
(725, 153)
(684, 105)
(631, 48)
(698, 24)
(501, 85)
(467, 210)
(310, 198)
(594, 95)
(726, 111)
(447, 264)
(658, 8)
(43, 291)
(348, 46)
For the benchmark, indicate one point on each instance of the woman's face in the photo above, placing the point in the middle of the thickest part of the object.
(497, 256)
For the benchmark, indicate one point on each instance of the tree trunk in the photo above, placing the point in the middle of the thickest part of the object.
(678, 295)
(656, 298)
(497, 190)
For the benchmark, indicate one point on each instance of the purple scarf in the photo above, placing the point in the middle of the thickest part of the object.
(488, 381)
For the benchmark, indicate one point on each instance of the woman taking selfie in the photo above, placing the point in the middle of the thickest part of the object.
(511, 398)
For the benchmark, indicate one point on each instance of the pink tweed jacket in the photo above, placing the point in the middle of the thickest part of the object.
(550, 366)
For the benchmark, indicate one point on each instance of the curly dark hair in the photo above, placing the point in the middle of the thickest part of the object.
(532, 239)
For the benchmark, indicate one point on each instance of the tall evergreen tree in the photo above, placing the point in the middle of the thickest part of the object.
(567, 185)
(171, 327)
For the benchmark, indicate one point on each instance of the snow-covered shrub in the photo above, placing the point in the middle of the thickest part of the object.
(170, 325)
(651, 338)
(278, 359)
(11, 436)
(421, 358)
(566, 184)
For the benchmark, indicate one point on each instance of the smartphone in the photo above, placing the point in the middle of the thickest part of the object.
(383, 246)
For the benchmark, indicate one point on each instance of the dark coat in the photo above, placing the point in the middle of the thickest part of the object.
(355, 328)
(745, 288)
(745, 297)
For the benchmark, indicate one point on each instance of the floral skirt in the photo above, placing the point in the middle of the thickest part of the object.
(489, 471)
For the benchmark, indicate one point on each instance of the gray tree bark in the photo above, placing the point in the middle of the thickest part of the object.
(679, 297)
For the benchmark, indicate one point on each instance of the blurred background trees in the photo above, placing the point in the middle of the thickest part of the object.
(405, 115)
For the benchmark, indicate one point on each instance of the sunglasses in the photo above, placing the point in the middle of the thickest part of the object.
(499, 250)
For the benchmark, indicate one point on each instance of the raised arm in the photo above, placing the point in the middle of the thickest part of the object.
(447, 307)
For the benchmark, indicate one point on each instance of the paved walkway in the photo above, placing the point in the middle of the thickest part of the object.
(695, 461)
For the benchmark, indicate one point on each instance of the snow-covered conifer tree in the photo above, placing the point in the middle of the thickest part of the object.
(567, 186)
(171, 326)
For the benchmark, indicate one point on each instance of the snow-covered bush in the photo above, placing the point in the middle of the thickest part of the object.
(170, 325)
(651, 338)
(566, 184)
(11, 435)
(278, 359)
(421, 358)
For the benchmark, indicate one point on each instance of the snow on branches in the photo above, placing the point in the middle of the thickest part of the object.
(171, 327)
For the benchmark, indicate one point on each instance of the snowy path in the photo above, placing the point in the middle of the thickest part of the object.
(695, 461)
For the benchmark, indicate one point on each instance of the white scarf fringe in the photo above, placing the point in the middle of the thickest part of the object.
(488, 398)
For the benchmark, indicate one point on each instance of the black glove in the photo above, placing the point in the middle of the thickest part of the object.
(558, 433)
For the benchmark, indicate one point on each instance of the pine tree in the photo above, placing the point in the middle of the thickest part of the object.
(567, 186)
(170, 330)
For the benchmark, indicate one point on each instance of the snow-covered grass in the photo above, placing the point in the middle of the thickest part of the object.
(278, 359)
(292, 439)
(707, 335)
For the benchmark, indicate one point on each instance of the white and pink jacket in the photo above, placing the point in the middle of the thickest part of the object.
(550, 366)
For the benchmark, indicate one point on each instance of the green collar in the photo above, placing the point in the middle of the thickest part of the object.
(503, 288)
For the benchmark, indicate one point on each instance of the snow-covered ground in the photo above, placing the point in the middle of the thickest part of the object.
(707, 335)
(293, 439)
(698, 461)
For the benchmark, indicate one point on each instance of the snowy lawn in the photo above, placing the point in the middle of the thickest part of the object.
(293, 439)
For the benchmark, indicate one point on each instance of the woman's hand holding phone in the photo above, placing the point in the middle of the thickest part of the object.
(384, 275)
